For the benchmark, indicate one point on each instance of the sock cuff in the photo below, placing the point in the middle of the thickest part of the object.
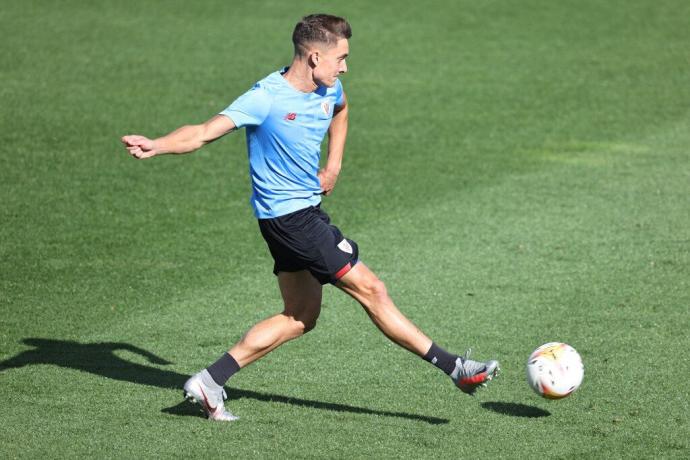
(223, 369)
(432, 355)
(441, 358)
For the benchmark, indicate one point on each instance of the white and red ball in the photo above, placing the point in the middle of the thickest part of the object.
(555, 370)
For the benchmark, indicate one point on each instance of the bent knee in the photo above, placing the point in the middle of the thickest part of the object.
(376, 290)
(301, 325)
(308, 325)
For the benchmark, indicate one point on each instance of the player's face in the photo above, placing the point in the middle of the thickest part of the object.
(330, 62)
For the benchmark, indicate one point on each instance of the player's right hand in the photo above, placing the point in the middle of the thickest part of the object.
(139, 146)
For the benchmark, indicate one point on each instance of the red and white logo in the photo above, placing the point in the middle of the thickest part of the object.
(290, 116)
(345, 246)
(325, 107)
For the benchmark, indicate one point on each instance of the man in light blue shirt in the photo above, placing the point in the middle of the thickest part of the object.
(286, 116)
(285, 128)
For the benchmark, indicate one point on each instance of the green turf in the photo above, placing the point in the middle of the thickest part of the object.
(516, 172)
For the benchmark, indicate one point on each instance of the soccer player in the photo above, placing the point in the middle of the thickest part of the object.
(286, 116)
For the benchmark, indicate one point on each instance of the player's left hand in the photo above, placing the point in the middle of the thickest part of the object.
(327, 179)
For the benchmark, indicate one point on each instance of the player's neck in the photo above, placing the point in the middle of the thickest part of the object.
(300, 76)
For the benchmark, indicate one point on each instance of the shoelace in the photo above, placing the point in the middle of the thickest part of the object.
(470, 367)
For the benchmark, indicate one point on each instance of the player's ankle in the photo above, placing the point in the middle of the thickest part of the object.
(224, 368)
(441, 358)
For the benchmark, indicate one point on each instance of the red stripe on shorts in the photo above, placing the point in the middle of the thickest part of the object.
(340, 273)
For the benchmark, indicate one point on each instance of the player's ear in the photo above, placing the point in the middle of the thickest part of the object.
(314, 59)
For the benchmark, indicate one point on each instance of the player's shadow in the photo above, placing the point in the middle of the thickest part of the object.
(515, 409)
(100, 359)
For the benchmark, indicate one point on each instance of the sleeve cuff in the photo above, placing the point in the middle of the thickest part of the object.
(238, 118)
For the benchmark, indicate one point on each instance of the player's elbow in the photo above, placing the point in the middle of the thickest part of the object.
(200, 136)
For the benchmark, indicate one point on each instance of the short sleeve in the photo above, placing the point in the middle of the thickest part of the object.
(339, 93)
(250, 109)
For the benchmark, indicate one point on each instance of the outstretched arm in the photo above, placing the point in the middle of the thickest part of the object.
(337, 132)
(140, 351)
(186, 139)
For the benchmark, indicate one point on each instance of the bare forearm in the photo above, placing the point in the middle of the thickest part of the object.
(185, 139)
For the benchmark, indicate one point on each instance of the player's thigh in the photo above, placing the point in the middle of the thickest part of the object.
(301, 293)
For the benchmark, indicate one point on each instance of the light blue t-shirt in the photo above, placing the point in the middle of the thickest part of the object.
(285, 128)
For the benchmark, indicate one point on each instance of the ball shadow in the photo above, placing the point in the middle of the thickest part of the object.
(515, 409)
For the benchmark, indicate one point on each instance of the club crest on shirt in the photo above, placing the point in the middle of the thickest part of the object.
(345, 246)
(325, 107)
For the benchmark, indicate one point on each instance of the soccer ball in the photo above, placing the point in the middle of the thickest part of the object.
(555, 370)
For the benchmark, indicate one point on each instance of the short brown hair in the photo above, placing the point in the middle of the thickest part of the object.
(319, 28)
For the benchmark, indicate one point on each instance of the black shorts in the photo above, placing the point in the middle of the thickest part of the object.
(306, 240)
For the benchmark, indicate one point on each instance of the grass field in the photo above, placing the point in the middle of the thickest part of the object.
(516, 172)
